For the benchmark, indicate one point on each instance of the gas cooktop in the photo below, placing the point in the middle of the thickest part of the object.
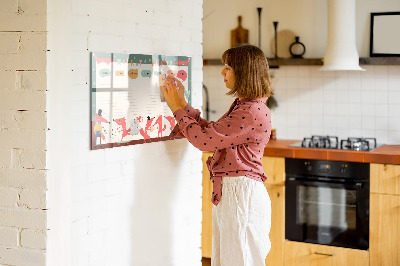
(332, 142)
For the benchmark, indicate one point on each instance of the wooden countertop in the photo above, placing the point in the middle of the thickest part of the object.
(389, 154)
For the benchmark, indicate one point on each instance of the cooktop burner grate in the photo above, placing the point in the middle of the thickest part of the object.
(358, 144)
(332, 142)
(328, 142)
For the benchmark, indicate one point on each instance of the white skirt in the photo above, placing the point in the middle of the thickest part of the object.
(241, 223)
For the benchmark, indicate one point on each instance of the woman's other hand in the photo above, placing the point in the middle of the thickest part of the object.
(173, 91)
(181, 90)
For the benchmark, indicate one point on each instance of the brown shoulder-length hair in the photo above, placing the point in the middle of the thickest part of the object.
(250, 66)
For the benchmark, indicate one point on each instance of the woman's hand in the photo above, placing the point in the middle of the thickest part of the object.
(181, 91)
(173, 91)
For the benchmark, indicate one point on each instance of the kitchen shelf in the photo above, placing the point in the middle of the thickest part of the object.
(274, 63)
(380, 61)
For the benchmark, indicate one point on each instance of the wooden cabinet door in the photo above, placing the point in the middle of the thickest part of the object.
(277, 233)
(385, 178)
(384, 236)
(206, 226)
(274, 168)
(304, 254)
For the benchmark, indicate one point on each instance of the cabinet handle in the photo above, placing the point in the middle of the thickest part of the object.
(324, 254)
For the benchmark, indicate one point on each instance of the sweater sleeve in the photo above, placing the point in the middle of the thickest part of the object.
(229, 131)
(193, 113)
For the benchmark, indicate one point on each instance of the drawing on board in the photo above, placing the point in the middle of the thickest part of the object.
(127, 105)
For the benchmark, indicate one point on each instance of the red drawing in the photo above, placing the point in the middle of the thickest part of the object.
(160, 126)
(171, 121)
(122, 122)
(98, 128)
(99, 119)
(182, 63)
(182, 75)
(102, 60)
(150, 127)
(147, 128)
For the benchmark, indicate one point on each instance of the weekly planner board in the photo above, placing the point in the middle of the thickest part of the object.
(127, 104)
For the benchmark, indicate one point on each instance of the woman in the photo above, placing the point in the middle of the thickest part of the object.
(242, 209)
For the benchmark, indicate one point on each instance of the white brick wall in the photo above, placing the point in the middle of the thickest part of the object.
(9, 197)
(33, 239)
(9, 237)
(23, 132)
(100, 204)
(135, 205)
(24, 256)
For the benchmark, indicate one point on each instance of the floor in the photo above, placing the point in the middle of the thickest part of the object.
(206, 261)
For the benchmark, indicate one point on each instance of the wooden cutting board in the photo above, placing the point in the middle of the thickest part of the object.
(239, 35)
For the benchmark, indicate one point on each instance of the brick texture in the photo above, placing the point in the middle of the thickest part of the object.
(44, 111)
(8, 197)
(33, 239)
(9, 237)
(23, 125)
(18, 256)
(33, 199)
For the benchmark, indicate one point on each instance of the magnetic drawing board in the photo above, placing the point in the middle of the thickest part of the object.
(127, 105)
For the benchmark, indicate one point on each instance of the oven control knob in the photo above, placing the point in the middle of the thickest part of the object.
(308, 166)
(343, 168)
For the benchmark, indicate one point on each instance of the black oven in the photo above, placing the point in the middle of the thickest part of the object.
(327, 202)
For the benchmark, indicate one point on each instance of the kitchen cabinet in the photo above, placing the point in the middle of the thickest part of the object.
(385, 215)
(385, 178)
(305, 254)
(274, 168)
(277, 233)
(384, 247)
(385, 230)
(384, 221)
(206, 225)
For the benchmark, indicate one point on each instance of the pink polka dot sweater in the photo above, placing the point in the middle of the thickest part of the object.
(238, 139)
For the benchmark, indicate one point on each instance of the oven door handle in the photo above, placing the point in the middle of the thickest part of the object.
(357, 185)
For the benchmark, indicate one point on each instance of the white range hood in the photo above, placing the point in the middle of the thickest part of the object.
(341, 51)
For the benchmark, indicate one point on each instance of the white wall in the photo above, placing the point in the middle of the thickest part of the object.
(311, 102)
(134, 205)
(343, 104)
(23, 133)
(306, 19)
